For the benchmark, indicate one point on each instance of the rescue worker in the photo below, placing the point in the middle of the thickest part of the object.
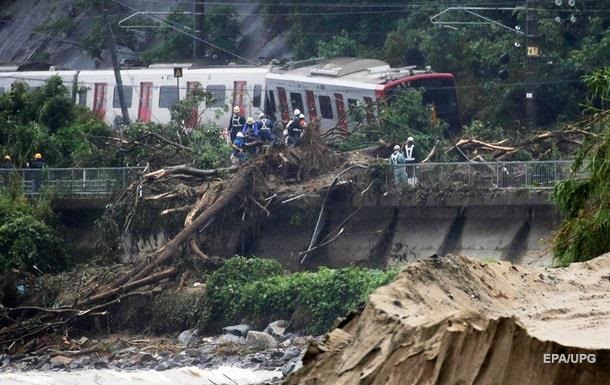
(295, 130)
(250, 129)
(6, 165)
(238, 155)
(397, 164)
(264, 127)
(7, 162)
(236, 123)
(36, 177)
(410, 157)
(38, 162)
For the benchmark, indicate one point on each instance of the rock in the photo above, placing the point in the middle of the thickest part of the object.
(188, 337)
(80, 362)
(165, 365)
(231, 338)
(277, 328)
(191, 352)
(291, 353)
(60, 361)
(260, 340)
(142, 358)
(288, 368)
(240, 330)
(82, 341)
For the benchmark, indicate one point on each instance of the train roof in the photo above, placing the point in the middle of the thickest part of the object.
(366, 73)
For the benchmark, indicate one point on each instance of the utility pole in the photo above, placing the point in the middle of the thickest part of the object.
(199, 28)
(115, 64)
(531, 72)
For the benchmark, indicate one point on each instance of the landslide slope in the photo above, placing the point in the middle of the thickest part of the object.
(459, 321)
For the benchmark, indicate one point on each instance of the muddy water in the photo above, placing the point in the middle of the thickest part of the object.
(183, 376)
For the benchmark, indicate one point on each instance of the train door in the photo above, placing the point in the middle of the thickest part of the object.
(239, 91)
(340, 104)
(193, 118)
(145, 107)
(281, 93)
(311, 105)
(327, 115)
(99, 99)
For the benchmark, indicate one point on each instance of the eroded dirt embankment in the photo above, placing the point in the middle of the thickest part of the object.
(459, 321)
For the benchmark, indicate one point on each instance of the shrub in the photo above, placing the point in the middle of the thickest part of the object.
(255, 291)
(26, 240)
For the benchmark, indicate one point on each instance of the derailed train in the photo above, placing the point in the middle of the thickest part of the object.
(324, 91)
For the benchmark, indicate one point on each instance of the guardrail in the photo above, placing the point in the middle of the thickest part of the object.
(70, 182)
(484, 175)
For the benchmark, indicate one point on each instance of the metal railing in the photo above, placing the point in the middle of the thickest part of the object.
(70, 182)
(484, 175)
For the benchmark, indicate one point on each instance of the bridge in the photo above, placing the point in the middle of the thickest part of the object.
(78, 188)
(531, 175)
(490, 210)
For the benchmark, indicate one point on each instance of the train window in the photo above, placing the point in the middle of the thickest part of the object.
(219, 94)
(270, 103)
(296, 100)
(326, 108)
(256, 96)
(2, 90)
(127, 91)
(352, 103)
(82, 96)
(168, 96)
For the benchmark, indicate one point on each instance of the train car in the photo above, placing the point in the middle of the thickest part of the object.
(151, 92)
(324, 91)
(327, 91)
(36, 79)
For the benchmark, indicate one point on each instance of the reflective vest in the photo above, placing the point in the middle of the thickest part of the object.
(409, 155)
(394, 158)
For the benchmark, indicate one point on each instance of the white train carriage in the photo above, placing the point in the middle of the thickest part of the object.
(36, 79)
(328, 90)
(325, 91)
(150, 93)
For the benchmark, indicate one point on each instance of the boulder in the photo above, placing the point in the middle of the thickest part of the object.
(260, 340)
(60, 361)
(240, 330)
(230, 338)
(277, 328)
(188, 337)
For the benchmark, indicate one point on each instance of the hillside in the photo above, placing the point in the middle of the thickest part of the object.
(52, 31)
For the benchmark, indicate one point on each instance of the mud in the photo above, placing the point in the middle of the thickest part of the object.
(456, 320)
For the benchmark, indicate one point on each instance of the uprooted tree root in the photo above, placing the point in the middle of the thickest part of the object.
(203, 197)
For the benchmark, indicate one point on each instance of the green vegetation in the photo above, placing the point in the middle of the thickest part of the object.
(255, 290)
(27, 241)
(47, 121)
(487, 60)
(405, 116)
(175, 44)
(586, 202)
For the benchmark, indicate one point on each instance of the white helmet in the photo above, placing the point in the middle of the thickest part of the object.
(301, 116)
(236, 109)
(397, 148)
(240, 134)
(410, 139)
(297, 112)
(250, 120)
(261, 116)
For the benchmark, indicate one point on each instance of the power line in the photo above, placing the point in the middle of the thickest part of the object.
(188, 33)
